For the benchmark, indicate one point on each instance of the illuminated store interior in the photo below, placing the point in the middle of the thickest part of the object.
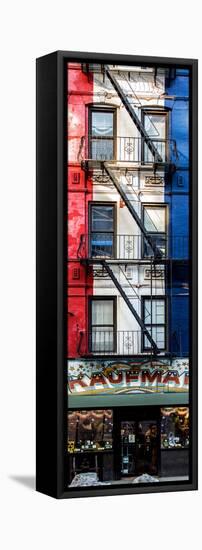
(128, 445)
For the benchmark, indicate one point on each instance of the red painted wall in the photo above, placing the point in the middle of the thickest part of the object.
(79, 193)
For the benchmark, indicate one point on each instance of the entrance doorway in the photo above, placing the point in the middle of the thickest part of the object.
(139, 447)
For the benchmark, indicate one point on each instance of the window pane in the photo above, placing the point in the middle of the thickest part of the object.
(102, 218)
(147, 311)
(102, 339)
(102, 149)
(102, 245)
(94, 431)
(160, 147)
(158, 335)
(147, 344)
(174, 427)
(155, 219)
(159, 241)
(155, 125)
(158, 312)
(102, 123)
(102, 312)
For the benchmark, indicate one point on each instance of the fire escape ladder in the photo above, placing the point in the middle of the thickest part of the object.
(130, 109)
(130, 305)
(119, 188)
(130, 286)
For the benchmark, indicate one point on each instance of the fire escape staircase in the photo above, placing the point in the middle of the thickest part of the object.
(122, 292)
(111, 173)
(131, 111)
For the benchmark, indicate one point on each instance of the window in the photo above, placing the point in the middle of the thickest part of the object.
(90, 430)
(101, 130)
(174, 427)
(154, 318)
(155, 124)
(154, 219)
(102, 222)
(102, 324)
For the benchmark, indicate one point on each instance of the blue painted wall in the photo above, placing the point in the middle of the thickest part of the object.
(177, 198)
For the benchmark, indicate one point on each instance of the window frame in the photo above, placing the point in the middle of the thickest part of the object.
(156, 233)
(106, 109)
(159, 111)
(165, 325)
(105, 298)
(114, 232)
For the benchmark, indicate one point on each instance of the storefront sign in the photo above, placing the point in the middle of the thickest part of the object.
(101, 377)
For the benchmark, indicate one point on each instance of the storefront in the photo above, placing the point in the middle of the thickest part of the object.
(123, 444)
(90, 445)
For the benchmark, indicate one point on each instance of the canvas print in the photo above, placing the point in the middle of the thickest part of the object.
(128, 321)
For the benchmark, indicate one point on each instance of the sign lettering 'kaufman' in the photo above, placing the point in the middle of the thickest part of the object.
(127, 377)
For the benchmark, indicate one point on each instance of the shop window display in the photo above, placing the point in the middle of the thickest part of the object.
(89, 430)
(174, 427)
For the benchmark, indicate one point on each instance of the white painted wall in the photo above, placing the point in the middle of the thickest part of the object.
(146, 93)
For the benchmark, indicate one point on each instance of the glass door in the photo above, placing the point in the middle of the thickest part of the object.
(128, 434)
(139, 448)
(146, 451)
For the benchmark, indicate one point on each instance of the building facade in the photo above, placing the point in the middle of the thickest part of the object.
(127, 273)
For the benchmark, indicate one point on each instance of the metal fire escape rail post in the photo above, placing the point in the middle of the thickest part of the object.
(156, 250)
(135, 118)
(132, 309)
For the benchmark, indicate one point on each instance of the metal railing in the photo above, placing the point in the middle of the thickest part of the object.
(100, 245)
(130, 342)
(121, 149)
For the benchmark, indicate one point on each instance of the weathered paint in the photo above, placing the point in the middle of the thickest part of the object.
(79, 194)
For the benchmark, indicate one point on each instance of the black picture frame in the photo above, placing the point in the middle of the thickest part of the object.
(50, 272)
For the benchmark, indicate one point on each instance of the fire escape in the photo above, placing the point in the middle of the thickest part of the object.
(144, 152)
